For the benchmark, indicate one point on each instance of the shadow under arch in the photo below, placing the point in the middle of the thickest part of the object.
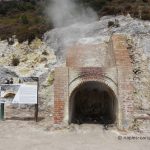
(93, 102)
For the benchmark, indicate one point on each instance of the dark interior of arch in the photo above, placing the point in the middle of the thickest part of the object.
(93, 102)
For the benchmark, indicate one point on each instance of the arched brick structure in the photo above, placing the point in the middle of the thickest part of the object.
(102, 105)
(112, 69)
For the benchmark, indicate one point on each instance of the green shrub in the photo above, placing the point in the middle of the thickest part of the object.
(15, 60)
(37, 20)
(31, 36)
(33, 2)
(2, 10)
(145, 1)
(24, 19)
(9, 6)
(25, 35)
(146, 16)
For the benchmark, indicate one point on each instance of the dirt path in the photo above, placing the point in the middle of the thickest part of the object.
(27, 135)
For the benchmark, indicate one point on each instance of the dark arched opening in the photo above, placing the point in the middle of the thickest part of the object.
(92, 102)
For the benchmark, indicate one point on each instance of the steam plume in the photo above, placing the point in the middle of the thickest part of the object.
(67, 12)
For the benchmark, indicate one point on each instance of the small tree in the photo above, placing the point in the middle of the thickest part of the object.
(24, 19)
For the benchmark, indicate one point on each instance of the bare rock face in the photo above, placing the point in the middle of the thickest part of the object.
(23, 60)
(6, 73)
(27, 60)
(41, 57)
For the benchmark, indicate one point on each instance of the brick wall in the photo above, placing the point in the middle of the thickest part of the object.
(82, 67)
(89, 55)
(125, 88)
(60, 93)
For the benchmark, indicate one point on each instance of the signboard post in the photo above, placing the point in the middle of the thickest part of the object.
(1, 110)
(36, 105)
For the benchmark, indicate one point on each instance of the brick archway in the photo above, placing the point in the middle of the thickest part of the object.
(93, 102)
(116, 73)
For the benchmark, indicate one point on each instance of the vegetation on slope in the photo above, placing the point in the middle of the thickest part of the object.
(26, 18)
(136, 8)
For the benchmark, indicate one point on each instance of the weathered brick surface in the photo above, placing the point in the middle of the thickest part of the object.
(60, 93)
(125, 88)
(83, 74)
(85, 64)
(89, 55)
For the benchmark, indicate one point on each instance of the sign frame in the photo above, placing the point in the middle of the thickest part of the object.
(32, 79)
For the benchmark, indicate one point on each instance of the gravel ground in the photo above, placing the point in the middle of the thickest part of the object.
(28, 135)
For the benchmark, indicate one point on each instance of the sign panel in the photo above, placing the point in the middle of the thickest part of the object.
(23, 93)
(27, 94)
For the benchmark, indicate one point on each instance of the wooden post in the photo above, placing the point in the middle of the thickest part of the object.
(36, 112)
(36, 105)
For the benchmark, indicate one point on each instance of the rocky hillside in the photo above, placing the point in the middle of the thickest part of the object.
(28, 20)
(36, 56)
(23, 60)
(40, 57)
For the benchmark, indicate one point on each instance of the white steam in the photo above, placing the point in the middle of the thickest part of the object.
(67, 12)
